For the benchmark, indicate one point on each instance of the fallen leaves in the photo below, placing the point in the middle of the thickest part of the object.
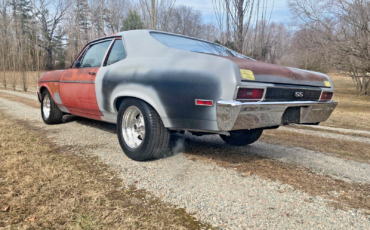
(6, 208)
(32, 219)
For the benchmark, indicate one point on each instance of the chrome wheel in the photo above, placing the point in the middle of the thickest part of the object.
(46, 106)
(133, 127)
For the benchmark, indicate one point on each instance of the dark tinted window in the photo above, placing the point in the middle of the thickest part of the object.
(117, 53)
(95, 54)
(195, 45)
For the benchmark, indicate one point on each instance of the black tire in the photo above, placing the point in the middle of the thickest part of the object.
(155, 142)
(242, 137)
(55, 115)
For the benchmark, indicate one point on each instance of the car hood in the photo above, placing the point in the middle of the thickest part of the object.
(265, 72)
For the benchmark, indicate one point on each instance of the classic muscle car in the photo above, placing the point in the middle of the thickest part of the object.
(152, 84)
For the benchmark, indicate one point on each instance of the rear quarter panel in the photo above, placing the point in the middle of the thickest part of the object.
(169, 80)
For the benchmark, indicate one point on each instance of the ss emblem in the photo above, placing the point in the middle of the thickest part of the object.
(298, 94)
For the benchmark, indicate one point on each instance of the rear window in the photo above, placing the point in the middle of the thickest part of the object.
(194, 45)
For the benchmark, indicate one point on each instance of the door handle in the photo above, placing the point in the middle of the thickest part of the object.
(92, 73)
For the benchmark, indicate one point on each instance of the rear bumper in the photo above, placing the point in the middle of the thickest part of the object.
(234, 115)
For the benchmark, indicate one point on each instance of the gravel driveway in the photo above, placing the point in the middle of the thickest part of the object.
(214, 194)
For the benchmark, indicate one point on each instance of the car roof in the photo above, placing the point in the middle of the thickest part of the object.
(143, 32)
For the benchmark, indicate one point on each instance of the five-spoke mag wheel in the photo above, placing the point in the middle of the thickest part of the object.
(141, 133)
(133, 127)
(46, 106)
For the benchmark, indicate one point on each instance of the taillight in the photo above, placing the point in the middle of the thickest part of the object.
(326, 96)
(204, 102)
(250, 94)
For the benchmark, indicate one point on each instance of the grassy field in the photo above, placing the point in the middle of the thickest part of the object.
(43, 186)
(15, 78)
(353, 111)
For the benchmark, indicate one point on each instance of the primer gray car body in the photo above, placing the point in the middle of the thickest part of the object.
(170, 80)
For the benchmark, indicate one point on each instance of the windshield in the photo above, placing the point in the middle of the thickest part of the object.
(195, 45)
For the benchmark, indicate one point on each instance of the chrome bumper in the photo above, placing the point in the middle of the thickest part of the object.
(234, 115)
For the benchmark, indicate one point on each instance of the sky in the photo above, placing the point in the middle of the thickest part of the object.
(280, 11)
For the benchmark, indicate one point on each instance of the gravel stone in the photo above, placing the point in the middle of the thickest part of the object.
(353, 131)
(328, 135)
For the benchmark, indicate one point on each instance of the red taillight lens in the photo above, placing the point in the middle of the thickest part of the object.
(204, 102)
(326, 96)
(250, 94)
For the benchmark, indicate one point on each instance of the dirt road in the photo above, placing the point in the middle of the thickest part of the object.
(223, 196)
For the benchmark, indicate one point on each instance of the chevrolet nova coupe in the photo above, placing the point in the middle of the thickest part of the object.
(152, 84)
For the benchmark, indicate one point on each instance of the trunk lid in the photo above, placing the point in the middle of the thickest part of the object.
(270, 73)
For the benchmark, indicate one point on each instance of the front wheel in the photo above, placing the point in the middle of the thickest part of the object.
(140, 131)
(242, 137)
(50, 112)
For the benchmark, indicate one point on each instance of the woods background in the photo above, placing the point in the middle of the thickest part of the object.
(39, 35)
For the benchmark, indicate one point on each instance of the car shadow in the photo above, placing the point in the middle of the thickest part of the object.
(104, 126)
(209, 146)
(214, 148)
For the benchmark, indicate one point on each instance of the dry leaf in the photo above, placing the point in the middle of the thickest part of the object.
(5, 208)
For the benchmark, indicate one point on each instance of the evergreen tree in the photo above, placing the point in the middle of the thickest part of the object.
(22, 14)
(132, 22)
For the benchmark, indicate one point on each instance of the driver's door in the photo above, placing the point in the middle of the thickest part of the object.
(77, 85)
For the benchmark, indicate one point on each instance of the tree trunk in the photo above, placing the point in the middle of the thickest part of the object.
(4, 68)
(240, 26)
(227, 22)
(14, 83)
(101, 22)
(49, 58)
(37, 58)
(153, 15)
(365, 85)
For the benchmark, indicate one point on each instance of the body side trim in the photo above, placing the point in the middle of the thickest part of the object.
(83, 82)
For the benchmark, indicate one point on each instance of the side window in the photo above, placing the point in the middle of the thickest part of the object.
(117, 53)
(95, 54)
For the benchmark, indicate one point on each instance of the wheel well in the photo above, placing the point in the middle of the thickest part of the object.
(42, 90)
(119, 101)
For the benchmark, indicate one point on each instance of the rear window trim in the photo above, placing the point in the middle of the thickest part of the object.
(110, 48)
(87, 47)
(199, 40)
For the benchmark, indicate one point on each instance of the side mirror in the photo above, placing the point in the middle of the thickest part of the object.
(77, 64)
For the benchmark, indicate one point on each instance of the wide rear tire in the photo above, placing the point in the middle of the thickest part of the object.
(140, 131)
(50, 112)
(242, 137)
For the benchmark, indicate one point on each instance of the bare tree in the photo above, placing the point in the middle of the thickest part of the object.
(116, 12)
(49, 23)
(185, 20)
(238, 16)
(343, 28)
(4, 28)
(157, 11)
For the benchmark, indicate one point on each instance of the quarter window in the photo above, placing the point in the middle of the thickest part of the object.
(117, 53)
(95, 54)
